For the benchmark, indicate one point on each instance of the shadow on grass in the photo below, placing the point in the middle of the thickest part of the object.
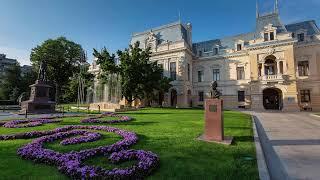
(237, 139)
(142, 113)
(231, 127)
(132, 123)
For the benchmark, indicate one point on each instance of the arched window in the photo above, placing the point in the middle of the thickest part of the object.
(270, 65)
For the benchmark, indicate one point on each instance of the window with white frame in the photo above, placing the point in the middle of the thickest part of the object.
(239, 47)
(305, 96)
(240, 73)
(216, 74)
(173, 71)
(200, 76)
(303, 68)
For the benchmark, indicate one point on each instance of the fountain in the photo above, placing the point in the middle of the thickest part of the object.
(106, 95)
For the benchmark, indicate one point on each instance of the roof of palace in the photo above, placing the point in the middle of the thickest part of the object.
(172, 32)
(310, 26)
(262, 21)
(177, 31)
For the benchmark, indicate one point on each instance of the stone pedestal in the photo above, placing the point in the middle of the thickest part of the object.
(39, 101)
(214, 131)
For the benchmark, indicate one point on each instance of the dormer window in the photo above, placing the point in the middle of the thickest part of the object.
(216, 50)
(239, 47)
(300, 37)
(271, 36)
(266, 37)
(269, 33)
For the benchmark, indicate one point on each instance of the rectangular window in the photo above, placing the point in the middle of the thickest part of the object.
(305, 96)
(303, 68)
(281, 67)
(216, 74)
(240, 73)
(293, 35)
(266, 37)
(200, 53)
(173, 71)
(200, 76)
(188, 72)
(259, 69)
(301, 37)
(201, 96)
(241, 96)
(216, 51)
(239, 47)
(271, 36)
(161, 66)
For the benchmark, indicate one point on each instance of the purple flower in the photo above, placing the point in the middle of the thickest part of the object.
(28, 123)
(97, 119)
(72, 163)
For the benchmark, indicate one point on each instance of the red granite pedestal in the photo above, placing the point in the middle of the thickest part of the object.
(213, 131)
(39, 101)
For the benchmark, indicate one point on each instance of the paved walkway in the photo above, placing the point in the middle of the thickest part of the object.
(291, 144)
(8, 115)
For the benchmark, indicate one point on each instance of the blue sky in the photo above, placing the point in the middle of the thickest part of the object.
(110, 23)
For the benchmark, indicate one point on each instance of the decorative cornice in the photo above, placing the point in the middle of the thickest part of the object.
(271, 45)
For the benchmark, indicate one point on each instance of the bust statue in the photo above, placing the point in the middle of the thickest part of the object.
(215, 94)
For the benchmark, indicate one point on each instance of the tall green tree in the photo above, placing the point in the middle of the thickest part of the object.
(62, 57)
(71, 91)
(10, 83)
(139, 76)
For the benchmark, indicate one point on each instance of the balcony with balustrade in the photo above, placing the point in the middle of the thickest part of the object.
(271, 71)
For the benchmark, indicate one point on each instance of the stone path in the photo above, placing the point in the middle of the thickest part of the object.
(291, 144)
(7, 115)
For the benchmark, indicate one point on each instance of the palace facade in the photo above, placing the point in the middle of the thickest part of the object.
(276, 66)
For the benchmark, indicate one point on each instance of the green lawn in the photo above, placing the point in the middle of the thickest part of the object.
(170, 133)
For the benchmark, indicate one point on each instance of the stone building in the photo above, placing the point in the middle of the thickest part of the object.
(6, 63)
(276, 66)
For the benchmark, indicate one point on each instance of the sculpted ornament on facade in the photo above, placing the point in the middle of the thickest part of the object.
(151, 40)
(271, 51)
(181, 66)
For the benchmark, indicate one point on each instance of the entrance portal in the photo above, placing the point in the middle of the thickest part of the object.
(272, 99)
(173, 98)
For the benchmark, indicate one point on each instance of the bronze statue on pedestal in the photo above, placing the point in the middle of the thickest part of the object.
(215, 94)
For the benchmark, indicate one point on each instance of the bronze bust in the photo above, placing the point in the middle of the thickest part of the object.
(215, 94)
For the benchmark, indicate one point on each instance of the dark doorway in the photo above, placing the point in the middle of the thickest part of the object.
(272, 99)
(189, 98)
(161, 98)
(173, 98)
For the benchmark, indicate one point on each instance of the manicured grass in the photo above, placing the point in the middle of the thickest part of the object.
(170, 133)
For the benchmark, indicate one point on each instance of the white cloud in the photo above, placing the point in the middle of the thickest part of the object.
(22, 55)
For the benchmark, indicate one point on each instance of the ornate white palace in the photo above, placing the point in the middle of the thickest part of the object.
(277, 66)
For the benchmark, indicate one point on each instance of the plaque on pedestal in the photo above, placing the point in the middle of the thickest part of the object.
(214, 131)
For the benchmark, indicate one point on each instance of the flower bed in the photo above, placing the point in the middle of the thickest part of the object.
(28, 123)
(71, 163)
(97, 119)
